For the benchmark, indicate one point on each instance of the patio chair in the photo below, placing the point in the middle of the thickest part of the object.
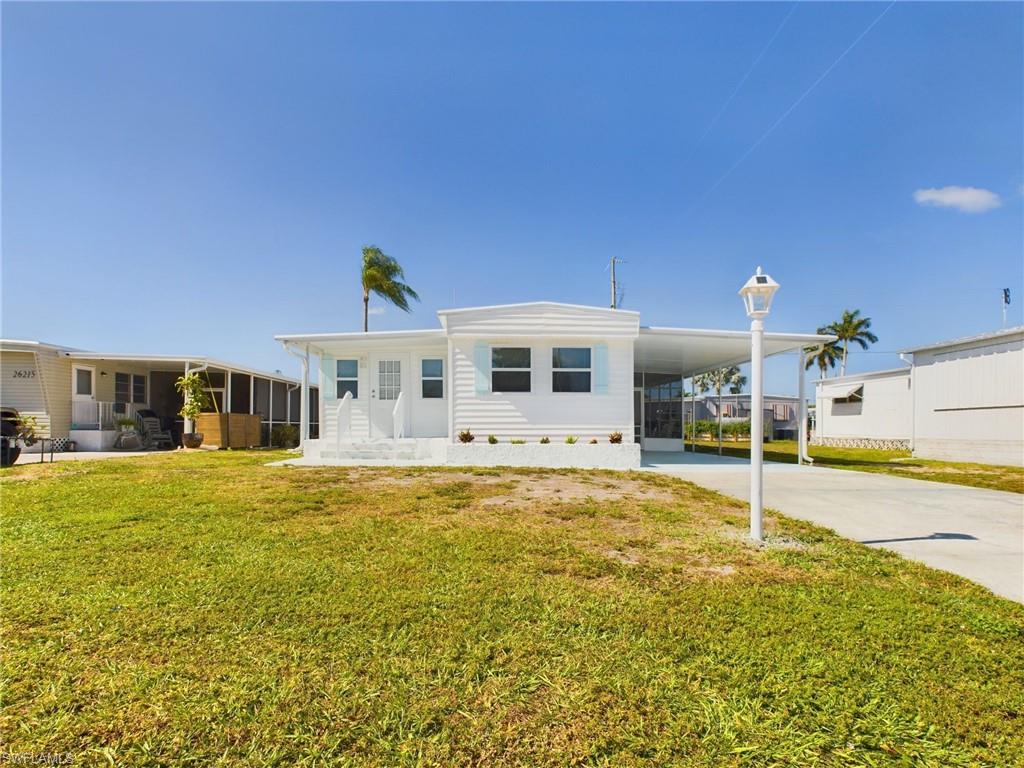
(152, 435)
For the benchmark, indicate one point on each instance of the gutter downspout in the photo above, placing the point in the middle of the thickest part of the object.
(303, 358)
(913, 400)
(801, 441)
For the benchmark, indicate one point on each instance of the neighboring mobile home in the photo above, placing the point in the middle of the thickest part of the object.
(960, 400)
(79, 396)
(867, 410)
(519, 372)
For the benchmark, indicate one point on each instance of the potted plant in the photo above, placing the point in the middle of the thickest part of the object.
(126, 424)
(190, 386)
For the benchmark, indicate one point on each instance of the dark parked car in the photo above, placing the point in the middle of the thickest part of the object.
(9, 448)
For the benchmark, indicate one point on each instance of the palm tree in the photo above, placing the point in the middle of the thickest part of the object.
(826, 357)
(383, 276)
(718, 380)
(851, 327)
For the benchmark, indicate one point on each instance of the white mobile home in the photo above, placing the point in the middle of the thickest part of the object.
(969, 399)
(868, 410)
(960, 400)
(519, 373)
(77, 395)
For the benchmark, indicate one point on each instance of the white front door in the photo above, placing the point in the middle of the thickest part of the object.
(387, 377)
(83, 383)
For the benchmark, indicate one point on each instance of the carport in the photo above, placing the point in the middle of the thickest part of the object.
(664, 358)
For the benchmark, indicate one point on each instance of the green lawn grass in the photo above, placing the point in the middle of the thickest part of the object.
(998, 478)
(204, 609)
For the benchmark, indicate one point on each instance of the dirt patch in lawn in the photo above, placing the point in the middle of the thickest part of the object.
(562, 489)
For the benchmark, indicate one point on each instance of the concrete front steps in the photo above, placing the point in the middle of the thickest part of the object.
(379, 451)
(400, 450)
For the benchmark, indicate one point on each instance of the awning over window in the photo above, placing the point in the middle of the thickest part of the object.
(854, 392)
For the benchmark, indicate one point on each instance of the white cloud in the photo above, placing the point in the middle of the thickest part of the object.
(966, 199)
(375, 311)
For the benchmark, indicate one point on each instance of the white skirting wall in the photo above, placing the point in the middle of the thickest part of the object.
(93, 439)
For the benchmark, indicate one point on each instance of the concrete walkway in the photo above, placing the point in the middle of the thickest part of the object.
(973, 532)
(33, 458)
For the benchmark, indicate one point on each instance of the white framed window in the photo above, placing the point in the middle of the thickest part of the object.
(348, 378)
(570, 369)
(129, 388)
(432, 378)
(82, 382)
(510, 369)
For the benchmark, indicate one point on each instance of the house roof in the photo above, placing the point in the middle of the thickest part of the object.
(31, 345)
(672, 351)
(990, 336)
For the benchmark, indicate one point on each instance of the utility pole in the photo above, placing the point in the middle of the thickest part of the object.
(1006, 297)
(615, 285)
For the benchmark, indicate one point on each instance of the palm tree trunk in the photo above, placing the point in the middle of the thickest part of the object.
(842, 369)
(366, 311)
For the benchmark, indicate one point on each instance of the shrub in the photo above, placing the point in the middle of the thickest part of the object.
(518, 441)
(284, 436)
(492, 440)
(25, 429)
(615, 438)
(465, 436)
(571, 439)
(593, 441)
(545, 440)
(124, 421)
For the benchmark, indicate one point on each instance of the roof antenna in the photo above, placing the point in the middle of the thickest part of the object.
(617, 294)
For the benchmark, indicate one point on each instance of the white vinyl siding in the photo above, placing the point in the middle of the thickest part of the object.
(543, 413)
(969, 403)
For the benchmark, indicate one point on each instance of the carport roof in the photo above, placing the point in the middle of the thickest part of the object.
(181, 360)
(688, 351)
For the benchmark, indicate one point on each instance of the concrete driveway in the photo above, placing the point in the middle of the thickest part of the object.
(973, 532)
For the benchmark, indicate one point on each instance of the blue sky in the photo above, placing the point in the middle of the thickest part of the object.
(197, 178)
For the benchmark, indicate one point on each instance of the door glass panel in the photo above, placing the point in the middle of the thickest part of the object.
(83, 381)
(389, 379)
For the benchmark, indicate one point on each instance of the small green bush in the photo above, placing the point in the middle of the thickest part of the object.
(465, 436)
(518, 441)
(545, 440)
(593, 441)
(492, 440)
(284, 436)
(571, 440)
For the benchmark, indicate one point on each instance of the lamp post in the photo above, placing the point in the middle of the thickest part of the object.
(757, 295)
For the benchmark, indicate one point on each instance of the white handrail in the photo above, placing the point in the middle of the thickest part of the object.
(344, 407)
(398, 416)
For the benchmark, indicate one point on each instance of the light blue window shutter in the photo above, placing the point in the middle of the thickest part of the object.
(329, 374)
(482, 364)
(601, 369)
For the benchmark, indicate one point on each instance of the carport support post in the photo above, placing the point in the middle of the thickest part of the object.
(756, 428)
(304, 401)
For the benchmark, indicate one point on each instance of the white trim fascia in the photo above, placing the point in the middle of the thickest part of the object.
(966, 340)
(862, 376)
(201, 360)
(647, 330)
(360, 335)
(556, 304)
(29, 345)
